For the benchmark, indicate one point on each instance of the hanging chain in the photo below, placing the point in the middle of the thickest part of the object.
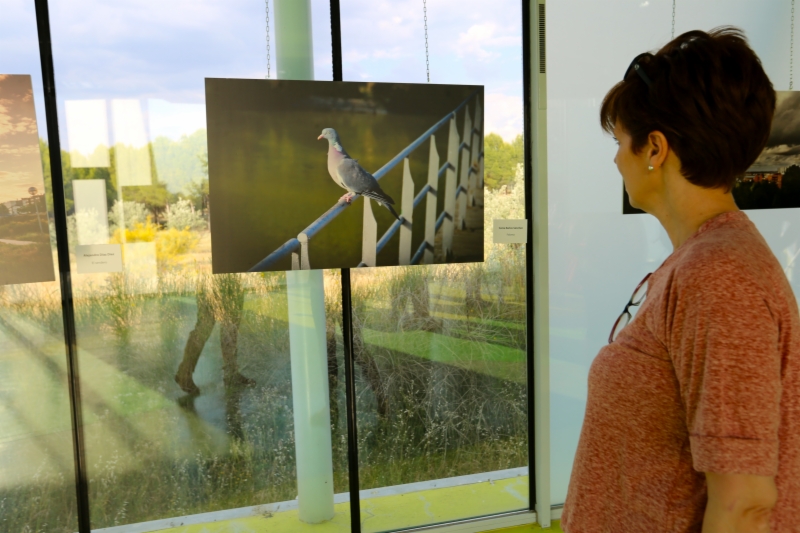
(427, 58)
(268, 58)
(791, 52)
(673, 18)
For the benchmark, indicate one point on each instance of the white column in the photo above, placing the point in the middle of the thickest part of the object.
(312, 422)
(304, 288)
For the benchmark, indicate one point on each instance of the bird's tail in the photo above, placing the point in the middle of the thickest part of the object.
(379, 196)
(391, 209)
(383, 199)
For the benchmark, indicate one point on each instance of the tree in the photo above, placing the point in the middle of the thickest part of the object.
(155, 197)
(501, 160)
(4, 210)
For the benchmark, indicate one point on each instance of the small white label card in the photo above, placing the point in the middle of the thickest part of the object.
(94, 258)
(510, 231)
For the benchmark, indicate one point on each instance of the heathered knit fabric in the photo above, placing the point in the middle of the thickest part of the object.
(705, 378)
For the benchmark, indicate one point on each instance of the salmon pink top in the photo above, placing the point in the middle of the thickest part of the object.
(705, 378)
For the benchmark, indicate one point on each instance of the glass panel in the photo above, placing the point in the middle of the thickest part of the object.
(597, 255)
(186, 376)
(37, 476)
(441, 350)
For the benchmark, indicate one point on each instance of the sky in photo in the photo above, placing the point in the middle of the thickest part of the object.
(783, 146)
(161, 52)
(20, 164)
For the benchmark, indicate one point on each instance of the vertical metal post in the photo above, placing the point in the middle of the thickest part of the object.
(407, 211)
(475, 151)
(430, 202)
(369, 242)
(305, 262)
(464, 171)
(306, 298)
(64, 272)
(453, 142)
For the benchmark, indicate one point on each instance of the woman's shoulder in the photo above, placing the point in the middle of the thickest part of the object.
(727, 256)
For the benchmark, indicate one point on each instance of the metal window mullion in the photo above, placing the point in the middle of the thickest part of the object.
(350, 394)
(537, 254)
(64, 273)
(347, 320)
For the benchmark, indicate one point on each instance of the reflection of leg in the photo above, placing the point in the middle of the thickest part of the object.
(233, 415)
(370, 370)
(421, 299)
(194, 345)
(231, 302)
(333, 370)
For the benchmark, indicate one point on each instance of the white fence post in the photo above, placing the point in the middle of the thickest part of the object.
(407, 212)
(369, 242)
(295, 261)
(305, 263)
(464, 173)
(475, 151)
(430, 203)
(450, 190)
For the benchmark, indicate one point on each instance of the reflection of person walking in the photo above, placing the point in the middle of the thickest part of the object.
(218, 300)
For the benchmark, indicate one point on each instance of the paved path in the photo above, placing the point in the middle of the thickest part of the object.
(16, 243)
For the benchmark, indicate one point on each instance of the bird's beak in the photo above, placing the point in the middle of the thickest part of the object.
(320, 137)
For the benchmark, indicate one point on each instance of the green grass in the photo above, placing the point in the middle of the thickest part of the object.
(448, 362)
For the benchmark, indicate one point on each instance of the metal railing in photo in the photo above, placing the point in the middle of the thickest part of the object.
(464, 160)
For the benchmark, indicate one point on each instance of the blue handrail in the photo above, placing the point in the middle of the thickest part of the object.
(312, 229)
(290, 246)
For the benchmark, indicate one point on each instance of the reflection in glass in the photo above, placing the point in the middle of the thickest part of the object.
(442, 406)
(87, 133)
(442, 392)
(132, 152)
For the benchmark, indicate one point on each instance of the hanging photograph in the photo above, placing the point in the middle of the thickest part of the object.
(773, 181)
(25, 252)
(312, 175)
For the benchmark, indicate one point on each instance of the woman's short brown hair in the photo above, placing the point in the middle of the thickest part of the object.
(710, 97)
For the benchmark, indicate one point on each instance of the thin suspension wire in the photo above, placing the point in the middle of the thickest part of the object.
(269, 73)
(427, 57)
(673, 18)
(791, 52)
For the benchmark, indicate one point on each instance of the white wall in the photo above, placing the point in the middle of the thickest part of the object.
(597, 255)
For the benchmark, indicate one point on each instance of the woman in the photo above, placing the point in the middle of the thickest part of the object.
(693, 413)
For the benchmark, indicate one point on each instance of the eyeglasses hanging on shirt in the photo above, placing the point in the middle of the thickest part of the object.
(636, 298)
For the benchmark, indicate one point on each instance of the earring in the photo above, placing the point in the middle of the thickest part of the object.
(650, 167)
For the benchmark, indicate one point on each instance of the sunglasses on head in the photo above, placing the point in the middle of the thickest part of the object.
(635, 66)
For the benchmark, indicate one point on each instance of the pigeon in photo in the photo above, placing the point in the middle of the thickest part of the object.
(349, 175)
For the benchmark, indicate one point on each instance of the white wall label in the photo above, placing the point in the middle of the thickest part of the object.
(95, 258)
(510, 231)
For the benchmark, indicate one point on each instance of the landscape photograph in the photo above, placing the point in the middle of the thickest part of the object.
(25, 252)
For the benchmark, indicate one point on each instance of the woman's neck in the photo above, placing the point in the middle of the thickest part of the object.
(684, 207)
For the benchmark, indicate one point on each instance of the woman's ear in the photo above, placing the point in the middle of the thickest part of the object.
(658, 148)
